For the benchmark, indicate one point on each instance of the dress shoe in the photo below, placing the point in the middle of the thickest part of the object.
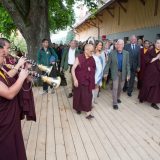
(78, 112)
(119, 101)
(70, 95)
(141, 101)
(129, 94)
(124, 89)
(90, 116)
(154, 106)
(115, 107)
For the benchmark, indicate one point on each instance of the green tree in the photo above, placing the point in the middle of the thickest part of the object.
(70, 36)
(7, 25)
(18, 42)
(35, 19)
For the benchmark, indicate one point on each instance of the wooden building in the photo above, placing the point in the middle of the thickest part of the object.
(121, 19)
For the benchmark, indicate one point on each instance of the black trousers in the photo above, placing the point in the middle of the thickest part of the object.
(128, 86)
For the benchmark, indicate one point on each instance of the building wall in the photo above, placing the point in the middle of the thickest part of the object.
(138, 20)
(87, 32)
(148, 33)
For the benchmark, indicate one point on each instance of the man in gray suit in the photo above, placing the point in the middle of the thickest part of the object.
(118, 62)
(134, 60)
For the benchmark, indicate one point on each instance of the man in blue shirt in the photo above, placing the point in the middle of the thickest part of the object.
(118, 62)
(120, 59)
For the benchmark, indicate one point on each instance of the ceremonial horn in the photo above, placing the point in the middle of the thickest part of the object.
(13, 54)
(45, 68)
(54, 82)
(40, 66)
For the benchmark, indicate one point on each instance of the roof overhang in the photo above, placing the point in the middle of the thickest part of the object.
(109, 2)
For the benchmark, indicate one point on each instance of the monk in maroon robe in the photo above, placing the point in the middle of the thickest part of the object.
(143, 53)
(11, 140)
(25, 96)
(83, 72)
(150, 90)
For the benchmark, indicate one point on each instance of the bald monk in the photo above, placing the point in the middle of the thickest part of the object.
(83, 72)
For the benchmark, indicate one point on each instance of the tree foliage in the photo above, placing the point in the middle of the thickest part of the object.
(35, 19)
(70, 36)
(7, 26)
(60, 13)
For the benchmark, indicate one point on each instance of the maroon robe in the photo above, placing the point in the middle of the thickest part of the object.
(11, 140)
(142, 68)
(150, 90)
(26, 100)
(85, 73)
(10, 60)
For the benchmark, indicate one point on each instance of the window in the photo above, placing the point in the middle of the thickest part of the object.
(158, 36)
(140, 37)
(126, 39)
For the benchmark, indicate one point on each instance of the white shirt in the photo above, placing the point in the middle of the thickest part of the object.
(133, 46)
(71, 56)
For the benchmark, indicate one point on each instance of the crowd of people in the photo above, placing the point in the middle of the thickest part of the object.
(114, 60)
(86, 66)
(120, 62)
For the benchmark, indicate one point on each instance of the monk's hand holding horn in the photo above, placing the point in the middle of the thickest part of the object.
(23, 74)
(21, 61)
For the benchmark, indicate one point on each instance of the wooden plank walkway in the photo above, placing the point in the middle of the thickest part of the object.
(130, 133)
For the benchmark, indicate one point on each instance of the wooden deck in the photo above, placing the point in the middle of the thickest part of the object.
(130, 133)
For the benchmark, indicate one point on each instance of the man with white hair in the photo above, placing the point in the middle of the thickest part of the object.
(118, 62)
(83, 73)
(134, 60)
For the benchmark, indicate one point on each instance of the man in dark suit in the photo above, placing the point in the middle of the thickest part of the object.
(134, 60)
(68, 58)
(118, 63)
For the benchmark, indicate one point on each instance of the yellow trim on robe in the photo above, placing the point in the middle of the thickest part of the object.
(157, 50)
(145, 50)
(3, 76)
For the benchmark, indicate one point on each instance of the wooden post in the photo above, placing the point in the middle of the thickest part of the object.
(156, 8)
(119, 15)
